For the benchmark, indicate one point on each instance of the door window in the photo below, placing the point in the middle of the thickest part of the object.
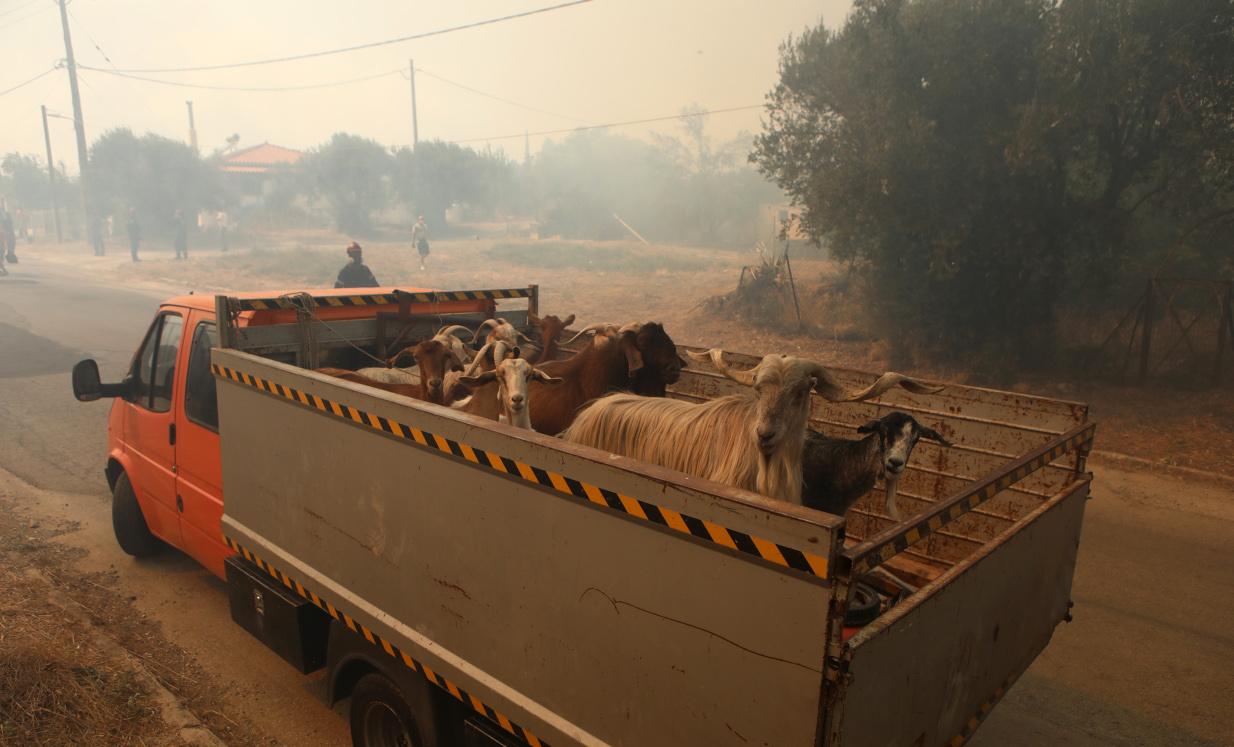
(156, 365)
(200, 401)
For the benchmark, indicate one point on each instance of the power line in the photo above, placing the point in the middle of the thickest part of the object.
(15, 8)
(250, 89)
(25, 18)
(497, 98)
(610, 124)
(90, 37)
(49, 71)
(367, 45)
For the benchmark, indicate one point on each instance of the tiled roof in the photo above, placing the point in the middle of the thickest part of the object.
(259, 158)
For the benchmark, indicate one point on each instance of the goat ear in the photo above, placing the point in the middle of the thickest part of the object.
(634, 356)
(475, 381)
(871, 427)
(542, 377)
(932, 435)
(568, 321)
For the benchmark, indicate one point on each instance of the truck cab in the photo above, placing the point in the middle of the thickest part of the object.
(163, 463)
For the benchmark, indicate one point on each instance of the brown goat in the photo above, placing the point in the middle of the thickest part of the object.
(550, 328)
(641, 358)
(433, 357)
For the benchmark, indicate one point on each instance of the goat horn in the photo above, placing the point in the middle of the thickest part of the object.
(716, 356)
(591, 328)
(450, 330)
(833, 391)
(631, 327)
(484, 325)
(474, 366)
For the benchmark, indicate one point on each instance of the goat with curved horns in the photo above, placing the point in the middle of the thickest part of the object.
(511, 399)
(752, 440)
(394, 373)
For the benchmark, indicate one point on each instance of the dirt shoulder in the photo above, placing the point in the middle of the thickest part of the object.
(79, 664)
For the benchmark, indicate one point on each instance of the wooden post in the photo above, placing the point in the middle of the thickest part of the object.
(533, 301)
(1223, 329)
(1146, 339)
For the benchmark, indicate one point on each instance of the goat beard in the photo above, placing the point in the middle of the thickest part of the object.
(892, 483)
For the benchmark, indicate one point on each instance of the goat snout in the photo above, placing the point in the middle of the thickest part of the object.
(766, 438)
(434, 383)
(895, 465)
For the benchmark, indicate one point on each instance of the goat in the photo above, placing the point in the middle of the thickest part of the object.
(434, 358)
(550, 328)
(836, 472)
(503, 337)
(509, 379)
(638, 357)
(752, 440)
(396, 374)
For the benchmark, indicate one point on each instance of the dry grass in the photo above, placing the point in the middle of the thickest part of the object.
(58, 689)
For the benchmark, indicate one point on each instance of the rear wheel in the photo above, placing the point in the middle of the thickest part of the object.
(130, 527)
(381, 716)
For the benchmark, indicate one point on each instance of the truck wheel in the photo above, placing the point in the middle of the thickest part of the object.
(129, 525)
(382, 717)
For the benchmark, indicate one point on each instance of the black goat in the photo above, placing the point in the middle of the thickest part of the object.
(836, 472)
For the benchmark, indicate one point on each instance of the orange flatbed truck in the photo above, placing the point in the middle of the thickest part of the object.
(465, 582)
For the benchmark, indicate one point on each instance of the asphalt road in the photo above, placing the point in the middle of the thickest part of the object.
(1149, 659)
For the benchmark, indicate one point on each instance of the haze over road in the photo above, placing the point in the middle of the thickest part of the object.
(1149, 659)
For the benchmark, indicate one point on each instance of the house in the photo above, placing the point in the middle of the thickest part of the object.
(255, 171)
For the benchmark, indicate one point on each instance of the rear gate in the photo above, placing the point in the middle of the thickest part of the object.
(928, 671)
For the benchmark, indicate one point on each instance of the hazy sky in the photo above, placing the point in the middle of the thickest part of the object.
(604, 61)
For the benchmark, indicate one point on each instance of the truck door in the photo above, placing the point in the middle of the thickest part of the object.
(199, 482)
(150, 426)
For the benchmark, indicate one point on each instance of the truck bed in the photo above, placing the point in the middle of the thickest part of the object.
(576, 597)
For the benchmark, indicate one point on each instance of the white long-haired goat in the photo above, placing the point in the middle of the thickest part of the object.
(752, 440)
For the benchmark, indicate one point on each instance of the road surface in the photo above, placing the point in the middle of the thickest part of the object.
(1149, 659)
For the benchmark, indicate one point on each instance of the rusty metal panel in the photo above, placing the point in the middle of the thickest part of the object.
(585, 624)
(921, 672)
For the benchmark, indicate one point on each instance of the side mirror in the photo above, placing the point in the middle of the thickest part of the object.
(87, 386)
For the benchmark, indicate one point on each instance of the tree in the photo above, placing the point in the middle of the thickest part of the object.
(977, 160)
(437, 175)
(353, 174)
(153, 175)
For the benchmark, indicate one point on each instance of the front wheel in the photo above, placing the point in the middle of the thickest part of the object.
(127, 521)
(381, 717)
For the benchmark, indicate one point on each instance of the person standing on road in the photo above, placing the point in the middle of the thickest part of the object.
(355, 274)
(419, 237)
(134, 234)
(182, 236)
(8, 234)
(96, 233)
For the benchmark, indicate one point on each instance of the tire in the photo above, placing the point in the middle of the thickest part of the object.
(381, 716)
(864, 607)
(132, 533)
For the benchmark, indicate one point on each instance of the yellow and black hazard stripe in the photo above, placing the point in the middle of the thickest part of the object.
(391, 650)
(983, 710)
(383, 299)
(867, 555)
(702, 529)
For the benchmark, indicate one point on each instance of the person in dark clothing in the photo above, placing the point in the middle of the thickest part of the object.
(9, 235)
(182, 236)
(134, 234)
(355, 274)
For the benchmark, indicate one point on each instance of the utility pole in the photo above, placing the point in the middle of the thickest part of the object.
(79, 125)
(415, 130)
(192, 128)
(526, 148)
(51, 176)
